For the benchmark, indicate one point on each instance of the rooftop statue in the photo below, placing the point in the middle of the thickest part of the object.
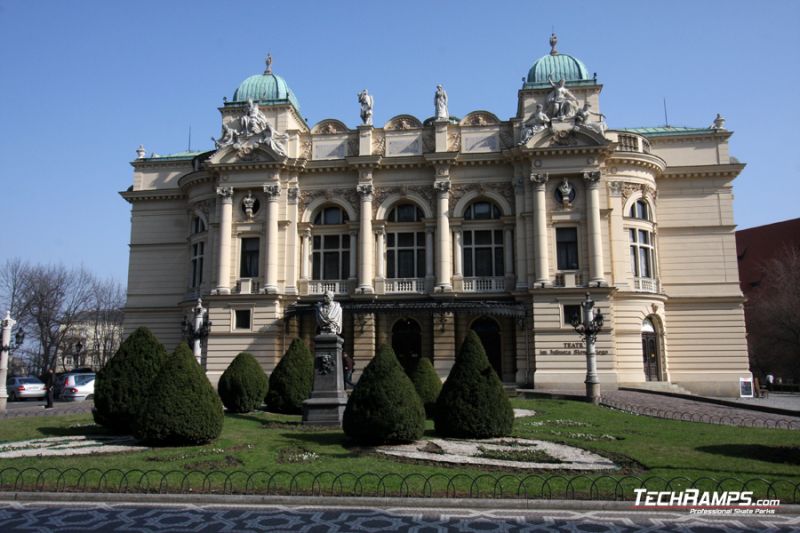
(228, 137)
(329, 315)
(366, 101)
(584, 115)
(254, 121)
(440, 103)
(538, 122)
(561, 103)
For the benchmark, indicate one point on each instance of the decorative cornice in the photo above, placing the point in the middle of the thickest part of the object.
(160, 194)
(730, 170)
(635, 159)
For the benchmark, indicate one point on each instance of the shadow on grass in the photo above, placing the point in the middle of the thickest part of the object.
(89, 430)
(759, 452)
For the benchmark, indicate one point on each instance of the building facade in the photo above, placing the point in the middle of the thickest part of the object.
(426, 229)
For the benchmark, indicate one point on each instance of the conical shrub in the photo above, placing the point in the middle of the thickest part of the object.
(122, 385)
(291, 382)
(427, 384)
(182, 407)
(243, 385)
(384, 407)
(472, 403)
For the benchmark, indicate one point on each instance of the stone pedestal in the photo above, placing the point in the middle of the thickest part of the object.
(328, 399)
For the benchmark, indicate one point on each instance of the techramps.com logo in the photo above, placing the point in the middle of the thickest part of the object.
(705, 502)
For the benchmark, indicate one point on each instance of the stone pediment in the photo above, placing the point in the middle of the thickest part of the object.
(246, 152)
(329, 126)
(563, 134)
(480, 118)
(403, 122)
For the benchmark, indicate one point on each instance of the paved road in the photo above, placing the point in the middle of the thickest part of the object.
(78, 517)
(685, 409)
(36, 408)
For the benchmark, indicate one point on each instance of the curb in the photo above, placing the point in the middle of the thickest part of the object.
(337, 501)
(726, 403)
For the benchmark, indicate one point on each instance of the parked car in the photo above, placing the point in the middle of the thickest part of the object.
(77, 387)
(22, 388)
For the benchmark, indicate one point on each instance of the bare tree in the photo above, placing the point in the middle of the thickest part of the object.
(106, 315)
(773, 317)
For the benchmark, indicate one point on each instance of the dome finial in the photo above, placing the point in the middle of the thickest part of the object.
(269, 64)
(553, 42)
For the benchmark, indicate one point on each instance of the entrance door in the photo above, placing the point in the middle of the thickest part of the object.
(407, 340)
(650, 355)
(489, 333)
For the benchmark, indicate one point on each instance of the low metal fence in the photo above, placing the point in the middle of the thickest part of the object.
(407, 485)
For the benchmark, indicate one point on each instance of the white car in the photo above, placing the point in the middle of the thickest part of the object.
(78, 387)
(22, 388)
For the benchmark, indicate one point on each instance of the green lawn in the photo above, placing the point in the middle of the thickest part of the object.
(645, 447)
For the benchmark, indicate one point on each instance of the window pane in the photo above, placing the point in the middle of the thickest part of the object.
(331, 242)
(645, 262)
(632, 235)
(499, 267)
(317, 242)
(467, 238)
(346, 242)
(333, 215)
(421, 239)
(345, 265)
(643, 237)
(567, 235)
(331, 265)
(483, 237)
(242, 317)
(316, 273)
(390, 270)
(483, 262)
(405, 263)
(634, 262)
(405, 239)
(248, 264)
(406, 213)
(420, 263)
(498, 236)
(468, 262)
(390, 239)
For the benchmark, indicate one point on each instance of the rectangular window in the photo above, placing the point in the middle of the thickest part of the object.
(248, 265)
(242, 319)
(571, 312)
(198, 250)
(567, 248)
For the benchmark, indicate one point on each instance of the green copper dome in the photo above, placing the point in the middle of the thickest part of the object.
(267, 88)
(556, 66)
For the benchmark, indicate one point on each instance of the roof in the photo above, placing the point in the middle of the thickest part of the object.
(665, 131)
(557, 67)
(267, 89)
(177, 156)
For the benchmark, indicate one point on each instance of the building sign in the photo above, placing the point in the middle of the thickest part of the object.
(571, 348)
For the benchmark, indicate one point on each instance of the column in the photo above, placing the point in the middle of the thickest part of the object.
(596, 266)
(520, 241)
(305, 253)
(8, 323)
(353, 248)
(444, 263)
(540, 228)
(366, 247)
(429, 252)
(508, 250)
(380, 252)
(272, 193)
(291, 240)
(458, 253)
(224, 251)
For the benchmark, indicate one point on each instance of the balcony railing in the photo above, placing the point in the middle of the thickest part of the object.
(404, 285)
(495, 284)
(569, 279)
(646, 285)
(322, 286)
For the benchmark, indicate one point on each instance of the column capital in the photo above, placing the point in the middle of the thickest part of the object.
(225, 192)
(539, 178)
(442, 186)
(593, 177)
(365, 191)
(272, 191)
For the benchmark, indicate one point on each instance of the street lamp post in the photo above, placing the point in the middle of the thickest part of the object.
(8, 323)
(197, 329)
(77, 355)
(588, 326)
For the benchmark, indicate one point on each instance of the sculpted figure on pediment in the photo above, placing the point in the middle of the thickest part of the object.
(538, 122)
(561, 103)
(253, 122)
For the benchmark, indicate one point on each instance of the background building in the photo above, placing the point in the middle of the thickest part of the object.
(428, 228)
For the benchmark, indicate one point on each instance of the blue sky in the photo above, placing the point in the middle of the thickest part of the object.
(83, 83)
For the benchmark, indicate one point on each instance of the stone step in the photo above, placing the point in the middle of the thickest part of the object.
(656, 386)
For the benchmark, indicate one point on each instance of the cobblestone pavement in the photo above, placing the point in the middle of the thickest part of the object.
(76, 517)
(664, 406)
(29, 408)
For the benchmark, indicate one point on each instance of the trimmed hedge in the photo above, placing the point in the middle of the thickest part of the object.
(384, 407)
(291, 382)
(472, 403)
(122, 385)
(427, 384)
(243, 385)
(182, 407)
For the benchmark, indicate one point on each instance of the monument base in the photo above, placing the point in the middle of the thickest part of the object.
(328, 398)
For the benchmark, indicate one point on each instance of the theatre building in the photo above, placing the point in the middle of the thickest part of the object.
(425, 228)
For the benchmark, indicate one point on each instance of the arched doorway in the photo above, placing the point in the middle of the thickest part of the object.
(407, 340)
(489, 332)
(650, 352)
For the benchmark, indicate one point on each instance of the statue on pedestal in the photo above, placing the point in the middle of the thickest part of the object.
(440, 103)
(329, 315)
(366, 101)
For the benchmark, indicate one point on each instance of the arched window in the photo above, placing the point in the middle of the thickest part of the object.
(197, 248)
(482, 241)
(640, 210)
(330, 250)
(405, 246)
